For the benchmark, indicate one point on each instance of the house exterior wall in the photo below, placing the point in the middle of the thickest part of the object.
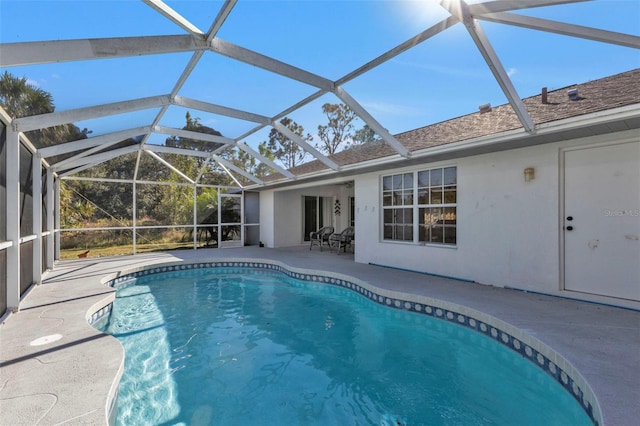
(508, 230)
(500, 219)
(288, 218)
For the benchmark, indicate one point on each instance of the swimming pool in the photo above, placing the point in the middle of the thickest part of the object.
(256, 346)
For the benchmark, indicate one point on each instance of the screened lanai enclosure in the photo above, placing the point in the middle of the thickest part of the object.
(131, 126)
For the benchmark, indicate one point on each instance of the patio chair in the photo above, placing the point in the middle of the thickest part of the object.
(320, 236)
(342, 240)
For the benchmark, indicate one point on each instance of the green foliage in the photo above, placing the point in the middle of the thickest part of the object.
(284, 149)
(76, 210)
(22, 99)
(365, 135)
(194, 125)
(262, 169)
(337, 132)
(207, 205)
(176, 207)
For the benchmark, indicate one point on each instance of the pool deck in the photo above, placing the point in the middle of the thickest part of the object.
(69, 381)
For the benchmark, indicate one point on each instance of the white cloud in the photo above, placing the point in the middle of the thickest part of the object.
(466, 72)
(377, 107)
(33, 83)
(511, 72)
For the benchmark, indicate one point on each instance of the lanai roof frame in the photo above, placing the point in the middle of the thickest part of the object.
(198, 42)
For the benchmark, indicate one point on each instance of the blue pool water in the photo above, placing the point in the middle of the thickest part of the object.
(251, 347)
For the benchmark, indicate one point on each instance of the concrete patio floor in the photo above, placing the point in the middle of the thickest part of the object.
(70, 380)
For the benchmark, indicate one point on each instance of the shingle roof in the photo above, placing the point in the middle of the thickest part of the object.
(593, 96)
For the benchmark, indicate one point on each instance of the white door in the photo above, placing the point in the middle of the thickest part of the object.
(602, 220)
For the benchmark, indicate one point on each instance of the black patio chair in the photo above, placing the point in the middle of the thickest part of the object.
(320, 236)
(342, 239)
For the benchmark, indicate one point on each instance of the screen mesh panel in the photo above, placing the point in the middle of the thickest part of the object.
(26, 192)
(26, 266)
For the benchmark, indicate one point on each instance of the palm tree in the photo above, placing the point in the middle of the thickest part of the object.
(19, 98)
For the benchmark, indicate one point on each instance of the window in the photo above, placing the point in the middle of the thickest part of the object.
(430, 196)
(397, 201)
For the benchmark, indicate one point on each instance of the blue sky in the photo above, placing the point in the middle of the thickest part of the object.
(442, 78)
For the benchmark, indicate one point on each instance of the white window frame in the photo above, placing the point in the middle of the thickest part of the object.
(415, 205)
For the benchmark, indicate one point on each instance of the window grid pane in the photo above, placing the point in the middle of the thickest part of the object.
(433, 193)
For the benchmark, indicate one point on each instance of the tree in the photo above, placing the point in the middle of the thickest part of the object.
(194, 125)
(338, 130)
(289, 153)
(248, 162)
(21, 99)
(365, 135)
(263, 169)
(189, 165)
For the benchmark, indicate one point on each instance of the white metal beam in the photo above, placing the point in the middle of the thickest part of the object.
(195, 58)
(504, 5)
(284, 113)
(562, 28)
(193, 135)
(236, 169)
(156, 120)
(246, 148)
(97, 158)
(310, 149)
(371, 122)
(174, 16)
(97, 179)
(36, 206)
(403, 47)
(137, 167)
(261, 61)
(223, 148)
(107, 139)
(61, 165)
(169, 165)
(220, 110)
(50, 217)
(459, 9)
(47, 52)
(42, 121)
(224, 12)
(12, 206)
(488, 7)
(179, 151)
(134, 210)
(228, 172)
(300, 104)
(62, 175)
(56, 211)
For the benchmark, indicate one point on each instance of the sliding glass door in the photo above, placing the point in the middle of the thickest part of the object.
(316, 213)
